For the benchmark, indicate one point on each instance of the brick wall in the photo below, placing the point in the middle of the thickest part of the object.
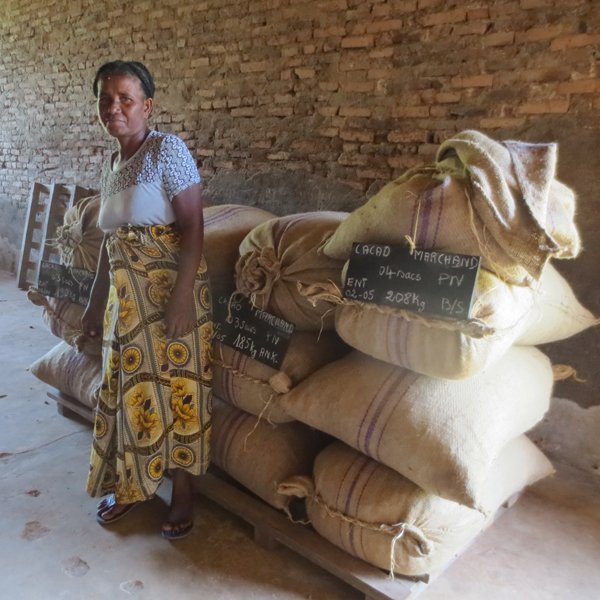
(299, 104)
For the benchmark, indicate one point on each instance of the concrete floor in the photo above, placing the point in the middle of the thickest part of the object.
(547, 547)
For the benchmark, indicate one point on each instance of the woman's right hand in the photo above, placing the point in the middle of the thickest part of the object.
(92, 320)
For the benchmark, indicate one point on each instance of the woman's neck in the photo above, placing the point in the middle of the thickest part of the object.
(130, 145)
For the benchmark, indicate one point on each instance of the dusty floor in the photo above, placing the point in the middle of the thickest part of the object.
(547, 547)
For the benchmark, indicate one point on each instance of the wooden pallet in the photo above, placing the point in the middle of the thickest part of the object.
(47, 207)
(272, 528)
(69, 407)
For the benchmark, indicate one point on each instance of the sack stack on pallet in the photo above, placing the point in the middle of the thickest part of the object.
(254, 440)
(431, 414)
(73, 366)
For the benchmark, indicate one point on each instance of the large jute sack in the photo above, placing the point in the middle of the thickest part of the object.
(441, 434)
(225, 226)
(498, 200)
(63, 319)
(256, 387)
(79, 238)
(556, 314)
(260, 456)
(502, 315)
(279, 254)
(372, 512)
(74, 373)
(435, 346)
(78, 242)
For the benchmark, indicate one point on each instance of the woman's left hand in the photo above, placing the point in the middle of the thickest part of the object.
(180, 316)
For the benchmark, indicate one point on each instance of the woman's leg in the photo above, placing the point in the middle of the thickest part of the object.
(180, 518)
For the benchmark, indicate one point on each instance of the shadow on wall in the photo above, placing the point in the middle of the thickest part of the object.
(282, 192)
(12, 225)
(8, 256)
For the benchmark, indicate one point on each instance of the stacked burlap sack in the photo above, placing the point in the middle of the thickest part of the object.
(431, 414)
(73, 366)
(274, 258)
(253, 439)
(77, 242)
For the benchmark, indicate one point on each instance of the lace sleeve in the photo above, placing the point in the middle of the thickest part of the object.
(179, 170)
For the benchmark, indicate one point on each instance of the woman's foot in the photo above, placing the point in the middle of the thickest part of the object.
(180, 521)
(109, 510)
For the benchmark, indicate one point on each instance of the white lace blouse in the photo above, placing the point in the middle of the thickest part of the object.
(140, 190)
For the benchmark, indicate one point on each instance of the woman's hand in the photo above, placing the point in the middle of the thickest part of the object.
(180, 316)
(92, 320)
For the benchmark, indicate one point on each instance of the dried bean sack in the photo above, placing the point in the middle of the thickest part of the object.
(260, 456)
(498, 200)
(441, 434)
(502, 315)
(279, 254)
(256, 387)
(78, 241)
(225, 226)
(74, 373)
(374, 513)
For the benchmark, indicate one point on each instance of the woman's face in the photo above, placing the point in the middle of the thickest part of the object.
(123, 108)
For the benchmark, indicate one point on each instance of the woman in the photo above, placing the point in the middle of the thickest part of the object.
(150, 301)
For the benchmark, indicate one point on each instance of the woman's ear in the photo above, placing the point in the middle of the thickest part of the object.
(148, 107)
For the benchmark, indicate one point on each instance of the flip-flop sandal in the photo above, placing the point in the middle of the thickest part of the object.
(110, 503)
(104, 504)
(177, 531)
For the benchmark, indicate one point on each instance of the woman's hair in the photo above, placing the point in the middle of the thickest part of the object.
(126, 67)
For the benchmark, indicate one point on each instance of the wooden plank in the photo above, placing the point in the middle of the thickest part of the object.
(38, 204)
(67, 405)
(373, 582)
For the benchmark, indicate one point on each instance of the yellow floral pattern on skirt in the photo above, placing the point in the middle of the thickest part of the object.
(154, 408)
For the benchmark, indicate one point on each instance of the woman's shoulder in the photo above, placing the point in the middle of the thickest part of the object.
(166, 142)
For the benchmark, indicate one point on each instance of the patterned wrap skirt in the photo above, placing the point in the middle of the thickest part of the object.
(154, 405)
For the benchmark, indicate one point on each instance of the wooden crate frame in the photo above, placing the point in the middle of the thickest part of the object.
(47, 207)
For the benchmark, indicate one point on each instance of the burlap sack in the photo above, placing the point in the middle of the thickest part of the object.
(500, 201)
(440, 347)
(225, 226)
(63, 319)
(78, 242)
(279, 254)
(502, 315)
(441, 434)
(74, 373)
(374, 513)
(260, 456)
(79, 238)
(256, 387)
(556, 314)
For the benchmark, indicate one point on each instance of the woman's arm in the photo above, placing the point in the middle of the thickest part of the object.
(179, 312)
(92, 318)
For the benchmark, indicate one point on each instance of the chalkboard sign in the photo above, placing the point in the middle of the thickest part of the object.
(59, 281)
(424, 281)
(253, 332)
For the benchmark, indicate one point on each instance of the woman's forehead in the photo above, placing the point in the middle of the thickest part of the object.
(120, 82)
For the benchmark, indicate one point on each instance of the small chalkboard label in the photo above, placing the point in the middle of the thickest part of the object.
(253, 332)
(422, 281)
(59, 281)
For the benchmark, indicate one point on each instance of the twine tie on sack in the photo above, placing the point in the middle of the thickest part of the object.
(563, 372)
(256, 273)
(412, 240)
(396, 530)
